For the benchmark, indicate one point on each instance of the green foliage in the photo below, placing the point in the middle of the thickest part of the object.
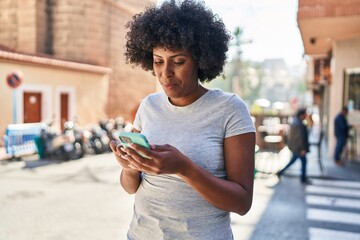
(271, 79)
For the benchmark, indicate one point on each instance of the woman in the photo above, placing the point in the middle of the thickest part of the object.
(201, 162)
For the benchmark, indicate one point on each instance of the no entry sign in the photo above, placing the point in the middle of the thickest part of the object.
(14, 79)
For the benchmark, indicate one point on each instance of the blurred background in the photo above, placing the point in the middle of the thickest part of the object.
(63, 61)
(66, 91)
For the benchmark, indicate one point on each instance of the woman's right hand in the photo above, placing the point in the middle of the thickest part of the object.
(162, 159)
(117, 149)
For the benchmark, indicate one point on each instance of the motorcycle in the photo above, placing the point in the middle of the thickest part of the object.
(56, 145)
(98, 140)
(75, 135)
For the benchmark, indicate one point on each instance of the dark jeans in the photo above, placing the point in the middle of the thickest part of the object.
(292, 161)
(340, 144)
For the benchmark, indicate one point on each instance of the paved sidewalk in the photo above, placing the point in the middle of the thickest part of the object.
(351, 170)
(279, 210)
(3, 155)
(325, 209)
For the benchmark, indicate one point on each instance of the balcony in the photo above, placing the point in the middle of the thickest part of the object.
(323, 21)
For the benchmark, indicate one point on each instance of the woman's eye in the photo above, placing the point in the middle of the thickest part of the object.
(158, 62)
(179, 62)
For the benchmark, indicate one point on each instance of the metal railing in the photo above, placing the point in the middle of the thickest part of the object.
(20, 138)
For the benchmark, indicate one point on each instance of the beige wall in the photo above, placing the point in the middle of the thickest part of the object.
(87, 31)
(345, 56)
(88, 92)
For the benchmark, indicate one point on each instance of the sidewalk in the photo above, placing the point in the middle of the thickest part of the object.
(350, 172)
(3, 154)
(279, 210)
(290, 214)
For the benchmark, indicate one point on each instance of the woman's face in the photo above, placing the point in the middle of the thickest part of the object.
(177, 73)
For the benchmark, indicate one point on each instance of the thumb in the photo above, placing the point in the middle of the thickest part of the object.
(160, 148)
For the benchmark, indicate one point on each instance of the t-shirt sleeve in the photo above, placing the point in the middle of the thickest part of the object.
(237, 118)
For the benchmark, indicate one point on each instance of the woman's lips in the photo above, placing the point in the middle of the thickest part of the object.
(169, 85)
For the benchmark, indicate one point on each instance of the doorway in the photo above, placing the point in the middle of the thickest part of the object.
(64, 109)
(32, 107)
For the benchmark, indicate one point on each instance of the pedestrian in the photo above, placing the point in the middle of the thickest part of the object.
(298, 144)
(341, 129)
(200, 166)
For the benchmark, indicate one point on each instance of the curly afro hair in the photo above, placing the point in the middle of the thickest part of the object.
(187, 25)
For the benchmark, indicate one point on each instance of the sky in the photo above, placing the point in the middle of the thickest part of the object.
(270, 25)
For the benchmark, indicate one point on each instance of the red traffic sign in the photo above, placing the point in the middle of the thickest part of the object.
(14, 79)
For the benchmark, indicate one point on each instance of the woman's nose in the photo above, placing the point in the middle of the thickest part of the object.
(168, 71)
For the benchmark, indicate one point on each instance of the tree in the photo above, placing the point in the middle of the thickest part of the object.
(240, 85)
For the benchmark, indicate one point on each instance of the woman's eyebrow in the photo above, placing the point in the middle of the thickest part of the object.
(173, 56)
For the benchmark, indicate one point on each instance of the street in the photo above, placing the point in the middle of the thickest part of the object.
(325, 210)
(71, 200)
(82, 199)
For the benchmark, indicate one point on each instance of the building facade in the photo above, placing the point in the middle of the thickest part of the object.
(51, 90)
(330, 32)
(88, 35)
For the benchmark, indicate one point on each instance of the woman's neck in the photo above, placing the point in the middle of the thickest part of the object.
(184, 101)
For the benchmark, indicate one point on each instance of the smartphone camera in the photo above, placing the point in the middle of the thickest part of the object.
(125, 139)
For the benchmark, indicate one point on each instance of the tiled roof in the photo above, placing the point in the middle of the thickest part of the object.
(10, 54)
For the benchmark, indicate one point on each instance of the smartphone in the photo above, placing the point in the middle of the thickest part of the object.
(127, 138)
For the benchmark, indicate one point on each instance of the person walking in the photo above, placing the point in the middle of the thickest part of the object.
(200, 166)
(341, 130)
(298, 144)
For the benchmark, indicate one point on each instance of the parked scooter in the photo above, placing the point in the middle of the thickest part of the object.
(98, 140)
(75, 135)
(56, 146)
(114, 127)
(110, 126)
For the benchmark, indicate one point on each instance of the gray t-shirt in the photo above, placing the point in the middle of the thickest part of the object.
(165, 206)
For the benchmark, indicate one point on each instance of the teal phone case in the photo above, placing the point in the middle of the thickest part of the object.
(129, 137)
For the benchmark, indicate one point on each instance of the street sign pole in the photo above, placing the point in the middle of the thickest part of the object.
(14, 80)
(14, 106)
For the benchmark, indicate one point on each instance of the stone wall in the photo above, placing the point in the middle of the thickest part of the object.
(87, 31)
(24, 25)
(81, 31)
(11, 16)
(42, 27)
(128, 85)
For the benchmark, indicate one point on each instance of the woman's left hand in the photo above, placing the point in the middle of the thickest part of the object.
(163, 159)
